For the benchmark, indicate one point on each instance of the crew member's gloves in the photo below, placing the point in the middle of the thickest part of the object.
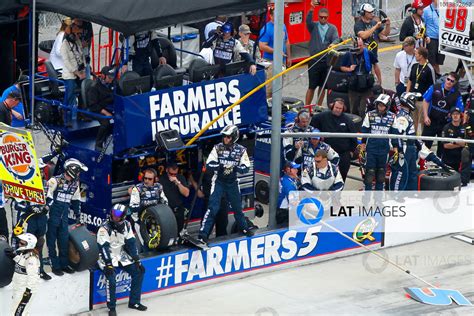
(45, 210)
(10, 253)
(138, 264)
(37, 210)
(109, 270)
(394, 159)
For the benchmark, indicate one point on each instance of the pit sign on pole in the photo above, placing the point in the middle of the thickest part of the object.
(456, 28)
(19, 171)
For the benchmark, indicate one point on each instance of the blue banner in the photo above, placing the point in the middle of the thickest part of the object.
(241, 255)
(187, 109)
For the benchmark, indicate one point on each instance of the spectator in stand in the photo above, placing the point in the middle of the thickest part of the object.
(378, 90)
(7, 105)
(18, 114)
(422, 76)
(322, 175)
(55, 56)
(403, 62)
(225, 48)
(360, 64)
(370, 30)
(452, 150)
(74, 66)
(212, 26)
(438, 100)
(176, 190)
(431, 18)
(293, 147)
(266, 46)
(313, 146)
(335, 120)
(100, 96)
(289, 182)
(247, 44)
(413, 26)
(323, 35)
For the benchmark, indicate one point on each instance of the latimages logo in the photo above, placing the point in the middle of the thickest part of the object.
(310, 211)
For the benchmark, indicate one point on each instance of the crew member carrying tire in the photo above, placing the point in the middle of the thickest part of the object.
(63, 193)
(118, 250)
(378, 121)
(404, 170)
(26, 276)
(226, 160)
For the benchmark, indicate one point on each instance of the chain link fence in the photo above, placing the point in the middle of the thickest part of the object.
(395, 10)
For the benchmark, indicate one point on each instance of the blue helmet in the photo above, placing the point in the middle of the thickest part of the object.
(226, 28)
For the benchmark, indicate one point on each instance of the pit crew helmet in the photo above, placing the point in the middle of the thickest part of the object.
(232, 131)
(408, 99)
(73, 167)
(226, 28)
(26, 241)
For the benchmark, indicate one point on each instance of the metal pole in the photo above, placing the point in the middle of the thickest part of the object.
(33, 62)
(363, 135)
(276, 111)
(181, 48)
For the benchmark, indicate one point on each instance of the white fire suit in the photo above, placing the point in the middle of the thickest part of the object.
(25, 281)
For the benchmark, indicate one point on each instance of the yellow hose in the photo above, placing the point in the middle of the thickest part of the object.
(195, 137)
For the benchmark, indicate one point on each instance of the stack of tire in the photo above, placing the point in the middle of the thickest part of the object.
(439, 180)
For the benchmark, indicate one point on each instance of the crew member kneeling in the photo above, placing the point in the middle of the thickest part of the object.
(226, 160)
(118, 250)
(322, 175)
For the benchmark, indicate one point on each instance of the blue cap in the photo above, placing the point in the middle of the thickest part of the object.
(292, 164)
(226, 28)
(315, 130)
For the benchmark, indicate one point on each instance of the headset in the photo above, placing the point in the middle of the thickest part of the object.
(151, 170)
(301, 112)
(331, 105)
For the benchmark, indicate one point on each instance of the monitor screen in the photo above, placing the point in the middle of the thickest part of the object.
(204, 73)
(136, 85)
(169, 82)
(237, 68)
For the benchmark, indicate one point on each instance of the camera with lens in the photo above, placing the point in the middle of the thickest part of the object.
(81, 67)
(384, 21)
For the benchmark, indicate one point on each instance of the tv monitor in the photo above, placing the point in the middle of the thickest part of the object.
(204, 73)
(237, 68)
(136, 85)
(169, 82)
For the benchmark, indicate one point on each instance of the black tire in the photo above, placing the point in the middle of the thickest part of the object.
(357, 120)
(262, 192)
(334, 94)
(338, 81)
(235, 228)
(438, 180)
(287, 104)
(158, 225)
(83, 248)
(7, 266)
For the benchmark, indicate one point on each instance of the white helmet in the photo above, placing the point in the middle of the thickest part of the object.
(29, 239)
(232, 131)
(384, 99)
(73, 167)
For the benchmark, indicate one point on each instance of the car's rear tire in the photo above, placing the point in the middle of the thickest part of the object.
(158, 227)
(438, 180)
(83, 248)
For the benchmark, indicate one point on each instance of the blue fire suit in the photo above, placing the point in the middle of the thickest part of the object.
(62, 195)
(377, 148)
(310, 151)
(290, 152)
(404, 170)
(226, 162)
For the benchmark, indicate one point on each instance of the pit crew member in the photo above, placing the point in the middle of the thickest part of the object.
(322, 175)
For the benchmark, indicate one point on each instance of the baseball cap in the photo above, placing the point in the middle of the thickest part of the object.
(292, 164)
(455, 109)
(108, 71)
(367, 7)
(244, 28)
(315, 130)
(14, 95)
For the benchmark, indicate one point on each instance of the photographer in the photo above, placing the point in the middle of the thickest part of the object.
(74, 65)
(370, 30)
(360, 62)
(225, 48)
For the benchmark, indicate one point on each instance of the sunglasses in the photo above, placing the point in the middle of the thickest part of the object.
(451, 80)
(146, 178)
(173, 174)
(318, 161)
(323, 17)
